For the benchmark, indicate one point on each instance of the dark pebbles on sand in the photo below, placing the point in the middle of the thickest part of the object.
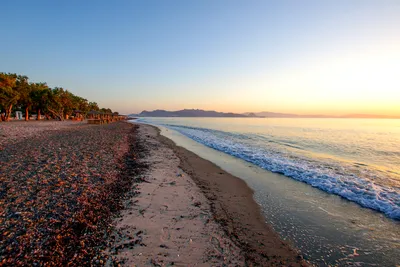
(60, 190)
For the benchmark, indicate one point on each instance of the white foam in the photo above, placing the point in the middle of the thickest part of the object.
(328, 176)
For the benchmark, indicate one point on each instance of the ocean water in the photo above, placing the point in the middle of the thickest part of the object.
(285, 162)
(356, 159)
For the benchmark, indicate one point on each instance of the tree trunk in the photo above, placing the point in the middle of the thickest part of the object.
(38, 114)
(27, 114)
(8, 113)
(59, 115)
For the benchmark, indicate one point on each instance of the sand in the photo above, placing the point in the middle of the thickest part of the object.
(173, 217)
(79, 194)
(192, 213)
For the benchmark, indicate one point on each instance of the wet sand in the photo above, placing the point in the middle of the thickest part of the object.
(192, 208)
(171, 217)
(79, 194)
(327, 230)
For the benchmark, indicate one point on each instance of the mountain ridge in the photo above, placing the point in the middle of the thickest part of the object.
(263, 114)
(189, 113)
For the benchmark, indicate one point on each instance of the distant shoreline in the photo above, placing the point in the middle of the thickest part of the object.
(199, 113)
(362, 118)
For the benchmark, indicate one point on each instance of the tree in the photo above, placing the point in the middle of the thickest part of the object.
(40, 98)
(16, 90)
(61, 103)
(8, 95)
(55, 104)
(83, 105)
(106, 110)
(93, 106)
(70, 102)
(24, 89)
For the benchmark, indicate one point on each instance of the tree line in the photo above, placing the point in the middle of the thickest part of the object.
(17, 93)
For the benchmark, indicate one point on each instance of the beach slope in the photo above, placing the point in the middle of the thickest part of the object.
(77, 194)
(191, 212)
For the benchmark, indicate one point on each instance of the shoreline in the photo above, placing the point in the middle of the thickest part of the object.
(167, 221)
(234, 209)
(123, 194)
(325, 228)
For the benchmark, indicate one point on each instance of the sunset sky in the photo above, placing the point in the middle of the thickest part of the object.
(326, 57)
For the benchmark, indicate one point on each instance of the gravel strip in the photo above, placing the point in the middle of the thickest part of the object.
(60, 189)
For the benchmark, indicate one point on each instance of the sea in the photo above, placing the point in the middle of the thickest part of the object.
(329, 186)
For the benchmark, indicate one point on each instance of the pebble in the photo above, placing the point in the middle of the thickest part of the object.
(60, 201)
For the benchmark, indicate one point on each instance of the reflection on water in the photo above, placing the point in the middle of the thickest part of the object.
(327, 229)
(357, 159)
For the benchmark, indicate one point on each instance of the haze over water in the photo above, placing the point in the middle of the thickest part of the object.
(357, 159)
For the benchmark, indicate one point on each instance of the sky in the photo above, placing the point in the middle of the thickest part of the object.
(306, 57)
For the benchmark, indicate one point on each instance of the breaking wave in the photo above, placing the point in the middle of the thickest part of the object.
(329, 176)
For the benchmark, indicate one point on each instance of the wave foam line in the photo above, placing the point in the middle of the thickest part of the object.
(327, 178)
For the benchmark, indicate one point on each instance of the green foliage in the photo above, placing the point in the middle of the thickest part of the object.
(9, 95)
(40, 97)
(106, 110)
(57, 102)
(93, 106)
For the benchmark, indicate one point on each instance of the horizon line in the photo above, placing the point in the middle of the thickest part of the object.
(343, 115)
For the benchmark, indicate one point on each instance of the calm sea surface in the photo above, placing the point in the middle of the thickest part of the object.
(357, 159)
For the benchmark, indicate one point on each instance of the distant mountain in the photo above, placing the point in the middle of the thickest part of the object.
(188, 113)
(264, 114)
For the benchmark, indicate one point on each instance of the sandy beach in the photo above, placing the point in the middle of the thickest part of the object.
(192, 213)
(80, 194)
